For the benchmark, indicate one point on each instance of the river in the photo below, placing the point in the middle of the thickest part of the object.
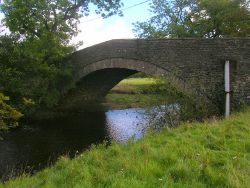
(36, 145)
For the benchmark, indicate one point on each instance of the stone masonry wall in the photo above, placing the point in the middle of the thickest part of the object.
(198, 63)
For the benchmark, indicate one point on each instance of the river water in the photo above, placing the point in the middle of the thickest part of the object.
(37, 145)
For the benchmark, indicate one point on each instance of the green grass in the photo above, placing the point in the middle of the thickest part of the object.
(139, 81)
(139, 85)
(135, 100)
(211, 154)
(138, 92)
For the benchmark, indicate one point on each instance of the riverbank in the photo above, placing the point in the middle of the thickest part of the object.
(137, 92)
(211, 154)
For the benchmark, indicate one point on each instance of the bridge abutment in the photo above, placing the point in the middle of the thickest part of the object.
(196, 65)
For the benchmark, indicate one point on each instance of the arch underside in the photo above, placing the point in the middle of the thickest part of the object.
(120, 63)
(102, 71)
(95, 80)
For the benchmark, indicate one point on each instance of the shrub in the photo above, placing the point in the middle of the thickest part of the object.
(8, 115)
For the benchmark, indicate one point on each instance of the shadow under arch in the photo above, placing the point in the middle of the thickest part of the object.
(134, 66)
(95, 80)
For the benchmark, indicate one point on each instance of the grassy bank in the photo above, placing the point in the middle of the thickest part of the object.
(212, 154)
(138, 92)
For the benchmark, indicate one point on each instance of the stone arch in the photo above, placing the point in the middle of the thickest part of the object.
(133, 65)
(94, 80)
(137, 65)
(196, 65)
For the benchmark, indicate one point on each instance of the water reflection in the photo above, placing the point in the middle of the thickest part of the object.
(39, 144)
(123, 124)
(42, 143)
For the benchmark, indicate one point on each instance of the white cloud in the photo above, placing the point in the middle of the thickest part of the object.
(1, 16)
(94, 31)
(3, 29)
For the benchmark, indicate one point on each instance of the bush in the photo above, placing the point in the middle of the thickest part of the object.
(8, 115)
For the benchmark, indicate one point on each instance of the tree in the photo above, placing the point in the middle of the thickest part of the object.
(224, 18)
(196, 18)
(33, 69)
(25, 74)
(52, 23)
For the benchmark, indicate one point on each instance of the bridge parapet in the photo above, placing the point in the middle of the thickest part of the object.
(196, 63)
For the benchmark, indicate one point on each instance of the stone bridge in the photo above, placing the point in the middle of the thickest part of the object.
(195, 66)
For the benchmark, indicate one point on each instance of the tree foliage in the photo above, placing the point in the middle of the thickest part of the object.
(196, 18)
(33, 58)
(25, 73)
(58, 17)
(8, 115)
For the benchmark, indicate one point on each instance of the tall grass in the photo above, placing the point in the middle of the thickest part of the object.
(211, 154)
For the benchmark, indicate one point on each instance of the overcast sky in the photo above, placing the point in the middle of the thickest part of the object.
(95, 30)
